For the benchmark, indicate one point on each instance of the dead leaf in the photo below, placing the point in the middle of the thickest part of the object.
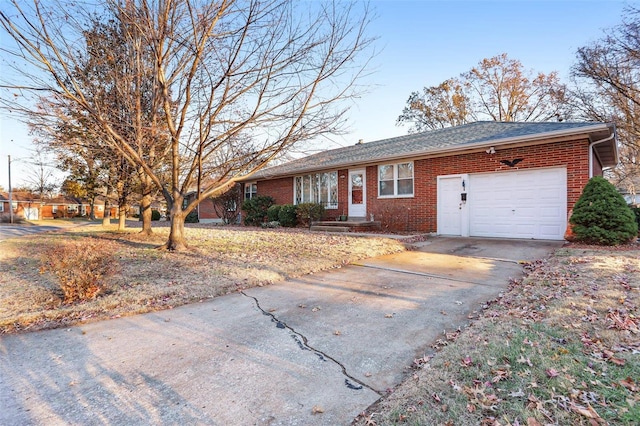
(466, 362)
(531, 421)
(628, 383)
(388, 315)
(337, 333)
(552, 372)
(587, 412)
(317, 409)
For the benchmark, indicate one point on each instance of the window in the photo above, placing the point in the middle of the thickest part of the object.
(72, 208)
(54, 209)
(250, 190)
(1, 206)
(395, 180)
(317, 188)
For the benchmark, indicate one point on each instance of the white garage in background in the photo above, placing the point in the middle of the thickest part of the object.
(528, 203)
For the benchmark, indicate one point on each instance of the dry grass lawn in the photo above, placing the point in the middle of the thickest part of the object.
(222, 260)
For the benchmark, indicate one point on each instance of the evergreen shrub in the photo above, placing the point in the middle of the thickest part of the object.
(273, 213)
(601, 215)
(310, 212)
(256, 209)
(287, 215)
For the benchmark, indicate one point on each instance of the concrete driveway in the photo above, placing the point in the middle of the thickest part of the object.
(312, 351)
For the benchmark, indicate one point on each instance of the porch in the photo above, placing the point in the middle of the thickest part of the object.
(352, 224)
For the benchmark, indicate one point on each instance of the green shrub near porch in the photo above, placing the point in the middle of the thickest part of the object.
(256, 209)
(310, 212)
(287, 215)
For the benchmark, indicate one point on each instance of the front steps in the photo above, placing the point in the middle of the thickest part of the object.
(351, 225)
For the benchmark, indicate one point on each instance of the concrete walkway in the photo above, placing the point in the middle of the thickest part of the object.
(313, 351)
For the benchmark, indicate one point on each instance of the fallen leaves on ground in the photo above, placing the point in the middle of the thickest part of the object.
(221, 260)
(561, 346)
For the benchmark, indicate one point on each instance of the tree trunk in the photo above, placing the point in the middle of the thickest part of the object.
(92, 208)
(145, 209)
(106, 218)
(176, 239)
(122, 217)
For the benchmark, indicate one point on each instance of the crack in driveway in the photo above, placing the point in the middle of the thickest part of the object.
(304, 345)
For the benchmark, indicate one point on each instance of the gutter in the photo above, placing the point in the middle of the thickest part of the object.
(592, 144)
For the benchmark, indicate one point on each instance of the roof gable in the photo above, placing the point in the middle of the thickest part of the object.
(451, 139)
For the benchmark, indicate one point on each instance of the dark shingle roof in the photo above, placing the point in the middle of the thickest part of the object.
(478, 134)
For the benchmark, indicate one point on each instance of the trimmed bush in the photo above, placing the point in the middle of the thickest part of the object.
(601, 215)
(310, 212)
(273, 213)
(155, 215)
(636, 212)
(192, 217)
(287, 215)
(81, 268)
(256, 209)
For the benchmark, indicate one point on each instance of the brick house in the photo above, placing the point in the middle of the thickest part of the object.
(31, 207)
(25, 205)
(485, 179)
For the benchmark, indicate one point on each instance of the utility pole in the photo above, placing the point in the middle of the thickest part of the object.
(10, 201)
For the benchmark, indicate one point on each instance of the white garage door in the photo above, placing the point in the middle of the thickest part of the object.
(519, 204)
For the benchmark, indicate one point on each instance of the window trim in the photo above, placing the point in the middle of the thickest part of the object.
(396, 179)
(250, 186)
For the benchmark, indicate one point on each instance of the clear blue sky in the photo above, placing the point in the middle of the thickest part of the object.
(424, 42)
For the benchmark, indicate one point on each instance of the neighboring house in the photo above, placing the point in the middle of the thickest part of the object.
(485, 179)
(25, 205)
(30, 207)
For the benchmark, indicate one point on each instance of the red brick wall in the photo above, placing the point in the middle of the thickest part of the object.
(206, 210)
(418, 213)
(280, 189)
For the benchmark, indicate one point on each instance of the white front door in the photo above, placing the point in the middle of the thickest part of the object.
(450, 205)
(357, 193)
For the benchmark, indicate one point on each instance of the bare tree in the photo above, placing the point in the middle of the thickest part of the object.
(607, 77)
(41, 178)
(239, 82)
(498, 88)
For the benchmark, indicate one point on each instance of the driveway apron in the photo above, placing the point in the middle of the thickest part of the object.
(316, 350)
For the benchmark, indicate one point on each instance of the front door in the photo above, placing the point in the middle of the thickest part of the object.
(450, 205)
(357, 193)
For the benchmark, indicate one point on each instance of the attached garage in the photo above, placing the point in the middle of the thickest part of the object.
(528, 203)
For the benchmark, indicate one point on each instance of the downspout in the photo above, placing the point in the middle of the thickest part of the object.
(591, 145)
